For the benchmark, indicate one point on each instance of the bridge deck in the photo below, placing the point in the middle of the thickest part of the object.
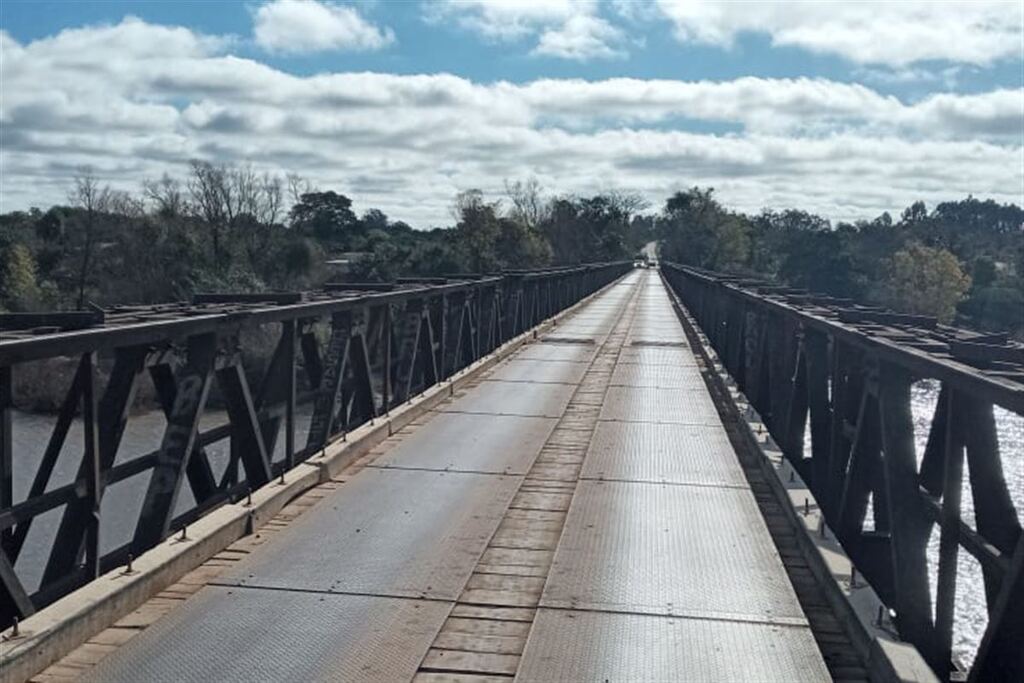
(579, 514)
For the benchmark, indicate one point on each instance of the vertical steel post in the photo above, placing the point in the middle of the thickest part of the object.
(6, 450)
(288, 330)
(93, 469)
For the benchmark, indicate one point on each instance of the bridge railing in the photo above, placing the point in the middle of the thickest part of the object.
(344, 355)
(840, 375)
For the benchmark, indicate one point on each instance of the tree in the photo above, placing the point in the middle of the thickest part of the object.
(166, 196)
(477, 231)
(924, 281)
(18, 287)
(697, 230)
(529, 208)
(582, 230)
(93, 200)
(328, 216)
(212, 204)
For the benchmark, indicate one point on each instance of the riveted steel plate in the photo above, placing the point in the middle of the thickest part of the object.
(675, 454)
(593, 646)
(513, 398)
(557, 372)
(666, 549)
(665, 376)
(245, 634)
(657, 355)
(471, 443)
(577, 353)
(653, 404)
(406, 533)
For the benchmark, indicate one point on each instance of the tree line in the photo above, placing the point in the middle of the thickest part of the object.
(229, 228)
(962, 260)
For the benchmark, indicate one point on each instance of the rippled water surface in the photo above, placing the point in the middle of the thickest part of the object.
(971, 612)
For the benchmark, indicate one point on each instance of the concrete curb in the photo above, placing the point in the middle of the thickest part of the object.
(853, 600)
(53, 632)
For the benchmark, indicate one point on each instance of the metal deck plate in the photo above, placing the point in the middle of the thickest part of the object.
(651, 338)
(648, 326)
(514, 398)
(664, 376)
(244, 635)
(558, 372)
(589, 646)
(472, 443)
(675, 454)
(569, 337)
(577, 353)
(665, 549)
(406, 533)
(657, 355)
(653, 404)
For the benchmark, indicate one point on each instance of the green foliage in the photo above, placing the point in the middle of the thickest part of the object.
(924, 281)
(588, 229)
(695, 229)
(19, 290)
(327, 216)
(227, 228)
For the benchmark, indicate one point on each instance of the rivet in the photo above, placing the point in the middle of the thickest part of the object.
(184, 533)
(281, 480)
(128, 567)
(853, 576)
(248, 498)
(14, 629)
(807, 507)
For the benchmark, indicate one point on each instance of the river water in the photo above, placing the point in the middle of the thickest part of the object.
(122, 501)
(971, 614)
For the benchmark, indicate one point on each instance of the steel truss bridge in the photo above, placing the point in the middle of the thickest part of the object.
(543, 475)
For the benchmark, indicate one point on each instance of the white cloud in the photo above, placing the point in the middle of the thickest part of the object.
(566, 29)
(304, 26)
(503, 19)
(582, 37)
(406, 144)
(890, 32)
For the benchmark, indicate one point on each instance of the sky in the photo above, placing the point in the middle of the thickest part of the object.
(846, 109)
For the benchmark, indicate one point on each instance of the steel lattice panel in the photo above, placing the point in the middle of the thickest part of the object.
(664, 376)
(593, 646)
(472, 443)
(406, 533)
(577, 353)
(557, 372)
(243, 634)
(514, 398)
(675, 454)
(668, 549)
(653, 404)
